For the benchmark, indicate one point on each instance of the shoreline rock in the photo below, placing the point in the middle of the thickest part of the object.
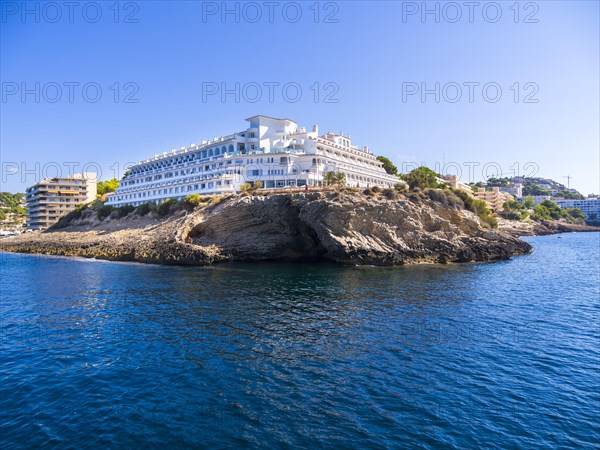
(344, 226)
(544, 228)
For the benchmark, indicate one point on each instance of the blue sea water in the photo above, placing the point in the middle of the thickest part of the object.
(271, 355)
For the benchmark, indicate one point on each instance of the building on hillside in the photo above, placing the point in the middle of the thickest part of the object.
(494, 198)
(276, 152)
(516, 190)
(590, 207)
(52, 198)
(454, 182)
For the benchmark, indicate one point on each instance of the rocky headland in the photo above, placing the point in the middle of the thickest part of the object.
(345, 226)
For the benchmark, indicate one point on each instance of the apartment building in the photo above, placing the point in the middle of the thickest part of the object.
(50, 199)
(494, 197)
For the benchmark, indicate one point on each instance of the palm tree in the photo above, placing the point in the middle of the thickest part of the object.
(330, 178)
(340, 179)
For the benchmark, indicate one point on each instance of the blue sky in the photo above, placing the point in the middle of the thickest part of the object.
(365, 55)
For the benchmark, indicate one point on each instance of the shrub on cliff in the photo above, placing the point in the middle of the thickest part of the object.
(478, 207)
(124, 210)
(250, 187)
(401, 187)
(390, 194)
(166, 207)
(437, 196)
(193, 200)
(69, 218)
(104, 211)
(145, 208)
(454, 200)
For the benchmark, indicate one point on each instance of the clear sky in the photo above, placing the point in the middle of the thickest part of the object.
(361, 66)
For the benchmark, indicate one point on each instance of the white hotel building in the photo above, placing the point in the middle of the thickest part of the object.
(274, 151)
(590, 207)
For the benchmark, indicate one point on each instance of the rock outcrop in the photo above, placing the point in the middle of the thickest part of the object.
(545, 227)
(343, 226)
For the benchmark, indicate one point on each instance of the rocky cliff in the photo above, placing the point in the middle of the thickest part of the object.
(343, 226)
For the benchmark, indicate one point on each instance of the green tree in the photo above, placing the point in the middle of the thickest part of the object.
(329, 179)
(421, 177)
(104, 187)
(2, 215)
(513, 205)
(576, 213)
(553, 209)
(535, 190)
(540, 212)
(340, 179)
(569, 195)
(388, 166)
(528, 202)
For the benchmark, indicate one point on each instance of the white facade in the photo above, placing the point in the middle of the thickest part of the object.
(590, 207)
(274, 151)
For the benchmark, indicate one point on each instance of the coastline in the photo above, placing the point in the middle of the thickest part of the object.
(343, 226)
(544, 228)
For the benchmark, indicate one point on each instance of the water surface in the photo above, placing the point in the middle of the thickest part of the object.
(272, 355)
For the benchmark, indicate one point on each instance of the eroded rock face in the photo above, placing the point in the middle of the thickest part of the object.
(345, 227)
(349, 229)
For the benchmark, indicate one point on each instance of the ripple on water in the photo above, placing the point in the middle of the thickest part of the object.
(499, 355)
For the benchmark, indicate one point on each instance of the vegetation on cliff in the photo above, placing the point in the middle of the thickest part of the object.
(422, 178)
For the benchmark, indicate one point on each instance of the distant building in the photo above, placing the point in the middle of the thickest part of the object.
(453, 181)
(589, 206)
(494, 198)
(515, 191)
(275, 152)
(52, 198)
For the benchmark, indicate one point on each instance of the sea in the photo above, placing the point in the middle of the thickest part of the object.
(273, 355)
